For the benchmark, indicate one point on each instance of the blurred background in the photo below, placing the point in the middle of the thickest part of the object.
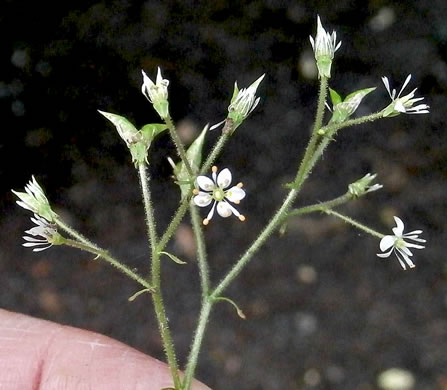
(323, 312)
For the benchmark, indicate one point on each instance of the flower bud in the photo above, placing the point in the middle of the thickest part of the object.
(157, 93)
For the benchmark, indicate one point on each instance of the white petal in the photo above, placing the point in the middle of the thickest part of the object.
(211, 213)
(224, 178)
(235, 194)
(235, 212)
(404, 257)
(224, 209)
(416, 246)
(387, 242)
(42, 249)
(203, 199)
(387, 254)
(387, 85)
(399, 229)
(413, 232)
(205, 183)
(217, 125)
(407, 80)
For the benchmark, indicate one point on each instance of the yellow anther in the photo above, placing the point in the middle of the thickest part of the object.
(195, 191)
(214, 169)
(206, 221)
(241, 218)
(240, 185)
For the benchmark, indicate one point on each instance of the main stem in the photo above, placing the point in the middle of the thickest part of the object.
(274, 223)
(157, 297)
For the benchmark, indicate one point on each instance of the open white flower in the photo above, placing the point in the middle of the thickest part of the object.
(216, 191)
(34, 199)
(404, 104)
(396, 243)
(44, 229)
(324, 46)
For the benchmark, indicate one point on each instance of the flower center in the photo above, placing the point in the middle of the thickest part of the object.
(218, 194)
(400, 243)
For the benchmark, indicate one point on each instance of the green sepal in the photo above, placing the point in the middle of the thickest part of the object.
(335, 97)
(162, 108)
(151, 130)
(324, 64)
(343, 109)
(390, 111)
(125, 128)
(194, 156)
(235, 92)
(139, 152)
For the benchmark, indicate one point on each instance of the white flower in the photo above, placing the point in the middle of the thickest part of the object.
(215, 191)
(405, 103)
(34, 199)
(44, 229)
(396, 243)
(156, 93)
(324, 46)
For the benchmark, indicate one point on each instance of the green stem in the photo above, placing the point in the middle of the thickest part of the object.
(226, 132)
(354, 223)
(321, 206)
(76, 234)
(157, 297)
(330, 132)
(170, 230)
(109, 259)
(150, 220)
(310, 149)
(205, 312)
(179, 146)
(268, 230)
(201, 250)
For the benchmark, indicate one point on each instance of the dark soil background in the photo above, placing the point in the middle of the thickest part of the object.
(323, 312)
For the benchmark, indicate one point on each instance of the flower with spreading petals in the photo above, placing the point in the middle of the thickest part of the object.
(156, 93)
(216, 191)
(396, 243)
(34, 199)
(46, 230)
(404, 104)
(324, 46)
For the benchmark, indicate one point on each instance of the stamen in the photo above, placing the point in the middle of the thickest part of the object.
(240, 185)
(241, 218)
(214, 169)
(206, 221)
(195, 191)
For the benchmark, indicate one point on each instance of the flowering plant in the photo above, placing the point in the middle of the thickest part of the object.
(197, 190)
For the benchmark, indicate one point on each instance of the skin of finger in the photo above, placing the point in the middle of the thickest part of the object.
(41, 355)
